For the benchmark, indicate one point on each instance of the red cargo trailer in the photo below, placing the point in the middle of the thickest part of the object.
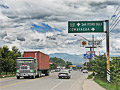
(42, 59)
(32, 64)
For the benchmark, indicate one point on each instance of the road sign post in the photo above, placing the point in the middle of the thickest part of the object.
(88, 27)
(107, 43)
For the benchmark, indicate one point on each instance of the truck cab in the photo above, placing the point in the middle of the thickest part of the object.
(26, 67)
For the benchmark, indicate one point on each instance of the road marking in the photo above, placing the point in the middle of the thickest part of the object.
(56, 85)
(20, 83)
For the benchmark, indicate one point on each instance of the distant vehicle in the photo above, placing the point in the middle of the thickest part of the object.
(57, 70)
(33, 64)
(64, 74)
(85, 71)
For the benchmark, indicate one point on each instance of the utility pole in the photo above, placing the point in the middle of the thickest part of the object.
(90, 53)
(93, 52)
(107, 43)
(92, 48)
(86, 61)
(93, 42)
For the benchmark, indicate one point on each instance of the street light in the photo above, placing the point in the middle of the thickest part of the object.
(82, 37)
(83, 42)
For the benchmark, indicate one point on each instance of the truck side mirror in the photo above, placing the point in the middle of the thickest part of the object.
(35, 60)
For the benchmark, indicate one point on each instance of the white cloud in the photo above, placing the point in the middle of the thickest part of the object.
(17, 20)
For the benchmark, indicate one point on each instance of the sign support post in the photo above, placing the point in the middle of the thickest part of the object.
(93, 42)
(107, 43)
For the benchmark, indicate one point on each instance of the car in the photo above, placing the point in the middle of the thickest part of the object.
(57, 70)
(64, 74)
(85, 71)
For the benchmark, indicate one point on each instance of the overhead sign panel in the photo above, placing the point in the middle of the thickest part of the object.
(89, 56)
(85, 55)
(90, 52)
(97, 43)
(85, 26)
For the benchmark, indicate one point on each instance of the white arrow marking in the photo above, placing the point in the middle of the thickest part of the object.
(78, 24)
(93, 29)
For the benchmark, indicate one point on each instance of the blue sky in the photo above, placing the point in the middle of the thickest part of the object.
(43, 28)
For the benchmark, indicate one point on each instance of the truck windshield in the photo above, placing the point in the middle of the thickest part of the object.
(25, 61)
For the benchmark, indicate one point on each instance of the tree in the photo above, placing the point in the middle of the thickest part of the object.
(15, 53)
(57, 61)
(100, 66)
(7, 58)
(53, 66)
(15, 49)
(115, 69)
(0, 61)
(68, 63)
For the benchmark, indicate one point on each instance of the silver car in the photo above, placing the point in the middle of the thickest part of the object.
(85, 71)
(64, 74)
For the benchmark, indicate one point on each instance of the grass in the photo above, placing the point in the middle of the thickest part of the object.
(90, 76)
(106, 85)
(3, 75)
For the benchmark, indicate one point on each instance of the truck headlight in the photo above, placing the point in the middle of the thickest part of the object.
(17, 70)
(31, 70)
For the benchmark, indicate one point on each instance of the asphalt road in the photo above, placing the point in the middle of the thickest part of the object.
(45, 83)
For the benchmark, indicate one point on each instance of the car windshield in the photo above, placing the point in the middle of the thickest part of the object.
(84, 70)
(64, 71)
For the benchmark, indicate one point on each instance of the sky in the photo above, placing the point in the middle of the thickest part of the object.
(42, 25)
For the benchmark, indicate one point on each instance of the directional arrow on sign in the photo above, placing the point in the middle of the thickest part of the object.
(78, 24)
(93, 29)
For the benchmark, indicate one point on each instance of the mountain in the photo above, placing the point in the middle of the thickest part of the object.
(75, 59)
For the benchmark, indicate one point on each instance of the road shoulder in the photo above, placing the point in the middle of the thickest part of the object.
(90, 84)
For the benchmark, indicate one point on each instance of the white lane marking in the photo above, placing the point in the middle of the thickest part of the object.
(56, 85)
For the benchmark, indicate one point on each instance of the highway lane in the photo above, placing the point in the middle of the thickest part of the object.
(45, 83)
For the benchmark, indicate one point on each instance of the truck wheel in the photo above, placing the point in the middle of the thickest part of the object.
(33, 77)
(68, 77)
(60, 77)
(18, 77)
(39, 75)
(47, 73)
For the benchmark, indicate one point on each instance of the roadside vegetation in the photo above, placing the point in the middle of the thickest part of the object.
(90, 76)
(7, 61)
(59, 62)
(9, 74)
(106, 85)
(99, 66)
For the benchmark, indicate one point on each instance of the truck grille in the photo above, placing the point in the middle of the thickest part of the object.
(24, 71)
(24, 67)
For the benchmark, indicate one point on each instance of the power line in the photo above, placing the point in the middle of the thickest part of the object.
(116, 19)
(113, 22)
(115, 11)
(113, 19)
(113, 27)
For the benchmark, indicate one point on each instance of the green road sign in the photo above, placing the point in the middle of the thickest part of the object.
(85, 26)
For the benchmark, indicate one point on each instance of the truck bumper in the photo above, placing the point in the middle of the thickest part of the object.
(24, 74)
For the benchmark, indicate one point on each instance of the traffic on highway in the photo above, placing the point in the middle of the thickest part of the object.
(51, 82)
